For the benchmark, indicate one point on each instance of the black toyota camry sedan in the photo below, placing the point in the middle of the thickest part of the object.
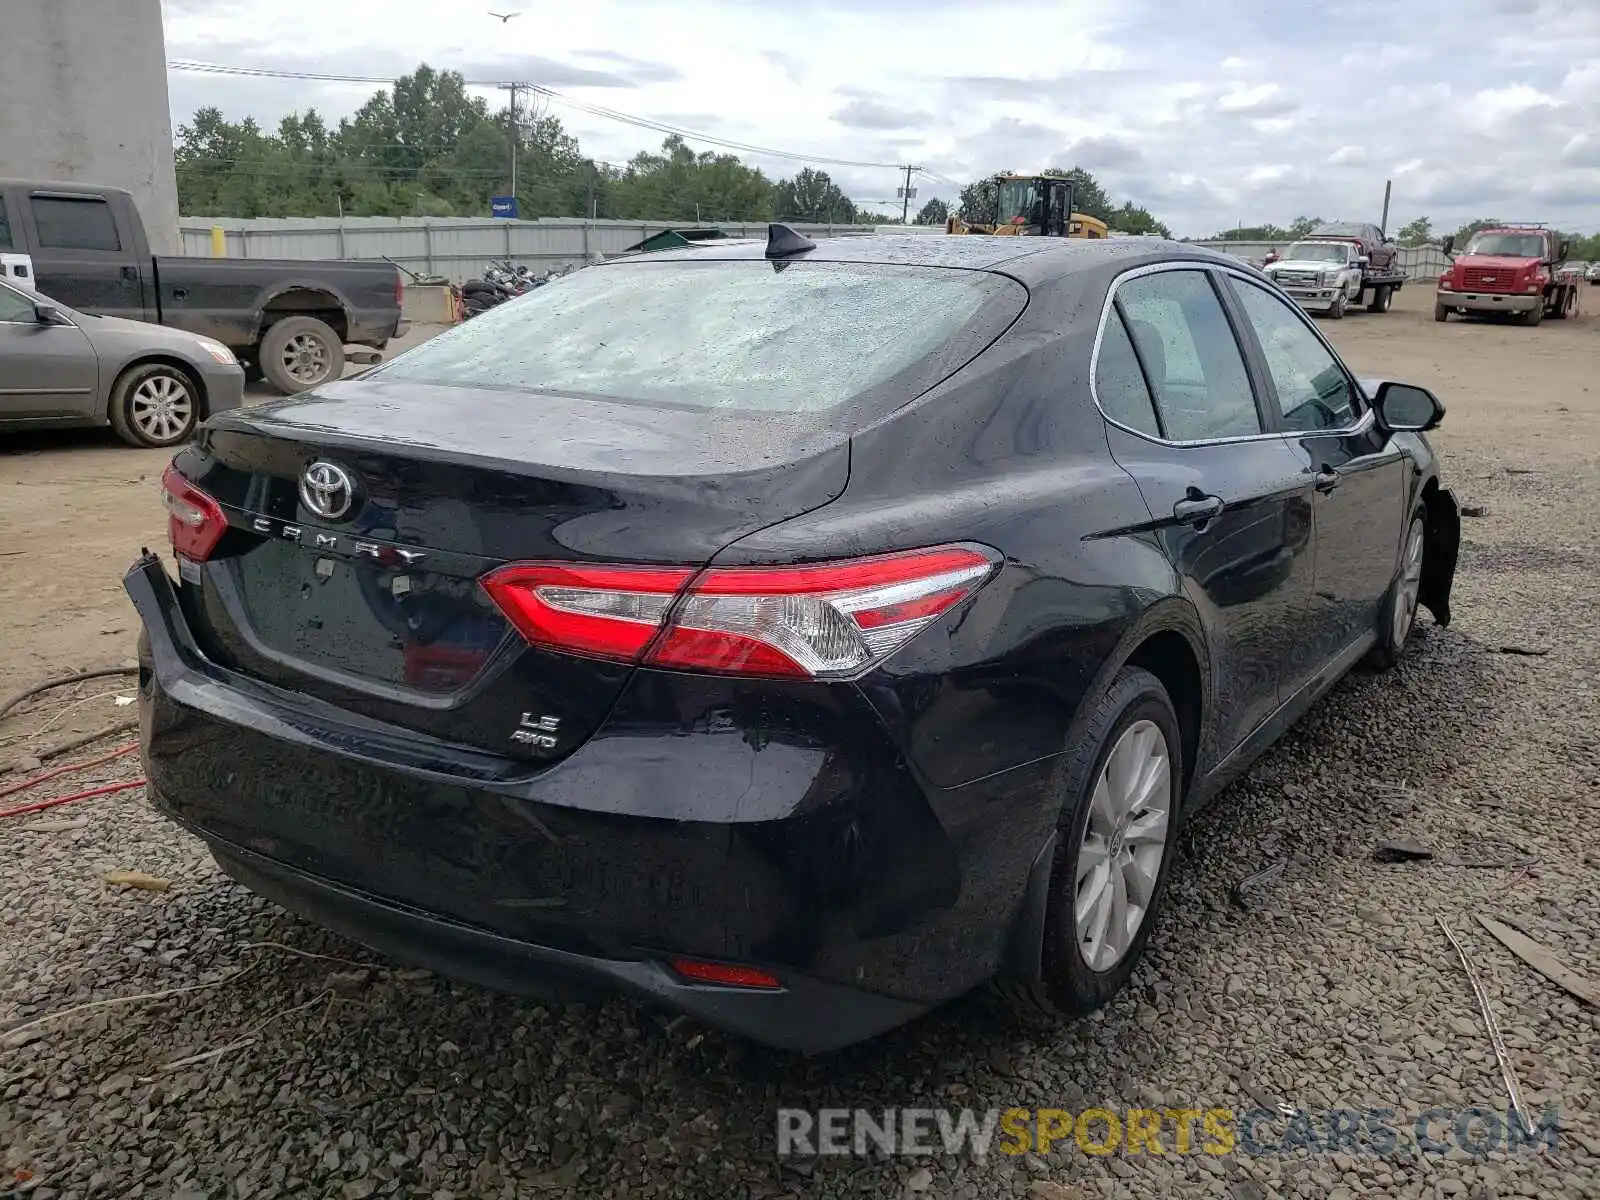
(794, 635)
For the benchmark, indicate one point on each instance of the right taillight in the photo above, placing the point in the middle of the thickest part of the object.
(818, 621)
(195, 522)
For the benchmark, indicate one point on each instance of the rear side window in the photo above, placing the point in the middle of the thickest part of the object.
(1119, 382)
(798, 337)
(75, 223)
(1190, 356)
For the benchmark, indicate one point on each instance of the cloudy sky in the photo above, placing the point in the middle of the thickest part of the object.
(1209, 113)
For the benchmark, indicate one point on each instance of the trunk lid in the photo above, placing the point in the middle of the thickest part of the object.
(377, 610)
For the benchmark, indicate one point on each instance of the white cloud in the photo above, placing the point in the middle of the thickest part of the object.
(1131, 90)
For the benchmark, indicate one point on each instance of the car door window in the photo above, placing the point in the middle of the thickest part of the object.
(16, 308)
(1119, 383)
(75, 223)
(1313, 391)
(1190, 356)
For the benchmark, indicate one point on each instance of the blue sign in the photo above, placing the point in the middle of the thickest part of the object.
(503, 206)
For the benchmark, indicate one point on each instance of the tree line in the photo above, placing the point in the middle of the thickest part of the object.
(1419, 232)
(426, 147)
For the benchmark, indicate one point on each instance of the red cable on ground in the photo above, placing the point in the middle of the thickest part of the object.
(67, 770)
(41, 805)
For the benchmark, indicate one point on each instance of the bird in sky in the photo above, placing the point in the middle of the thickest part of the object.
(504, 17)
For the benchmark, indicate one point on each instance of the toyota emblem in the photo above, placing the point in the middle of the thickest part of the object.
(327, 490)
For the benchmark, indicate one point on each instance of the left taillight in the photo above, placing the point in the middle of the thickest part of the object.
(195, 522)
(828, 620)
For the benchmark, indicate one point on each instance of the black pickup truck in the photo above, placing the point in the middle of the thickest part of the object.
(287, 320)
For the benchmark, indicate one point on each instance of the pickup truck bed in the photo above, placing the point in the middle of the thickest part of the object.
(288, 320)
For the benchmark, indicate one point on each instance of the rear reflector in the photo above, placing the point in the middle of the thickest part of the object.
(724, 974)
(820, 621)
(195, 522)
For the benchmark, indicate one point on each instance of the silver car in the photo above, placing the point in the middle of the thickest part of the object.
(61, 368)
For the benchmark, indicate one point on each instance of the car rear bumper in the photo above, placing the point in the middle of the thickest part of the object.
(806, 1014)
(1490, 301)
(721, 836)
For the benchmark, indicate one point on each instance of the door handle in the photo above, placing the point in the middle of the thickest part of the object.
(180, 293)
(130, 273)
(1196, 509)
(1326, 480)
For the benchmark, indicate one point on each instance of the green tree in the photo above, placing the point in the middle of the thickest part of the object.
(680, 185)
(1416, 233)
(1132, 219)
(934, 212)
(1302, 226)
(1464, 234)
(812, 196)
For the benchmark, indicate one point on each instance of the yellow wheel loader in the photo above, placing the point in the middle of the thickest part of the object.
(1033, 206)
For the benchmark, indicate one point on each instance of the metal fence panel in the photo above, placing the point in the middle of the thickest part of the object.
(459, 247)
(455, 247)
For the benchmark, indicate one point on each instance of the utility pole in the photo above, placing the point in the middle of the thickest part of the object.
(516, 136)
(1383, 226)
(905, 195)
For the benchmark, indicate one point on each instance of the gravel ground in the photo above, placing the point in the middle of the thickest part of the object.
(285, 1073)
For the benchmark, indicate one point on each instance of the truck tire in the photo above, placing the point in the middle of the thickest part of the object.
(1380, 299)
(1534, 315)
(299, 353)
(1440, 312)
(1558, 311)
(1336, 309)
(154, 404)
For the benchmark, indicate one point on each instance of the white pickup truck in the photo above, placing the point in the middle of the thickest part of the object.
(1332, 275)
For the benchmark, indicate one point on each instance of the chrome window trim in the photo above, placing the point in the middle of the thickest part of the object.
(1362, 424)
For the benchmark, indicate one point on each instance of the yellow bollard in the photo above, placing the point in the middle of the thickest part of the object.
(219, 242)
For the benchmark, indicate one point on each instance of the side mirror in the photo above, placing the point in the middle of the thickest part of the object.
(1561, 253)
(1362, 260)
(48, 314)
(1406, 408)
(1448, 243)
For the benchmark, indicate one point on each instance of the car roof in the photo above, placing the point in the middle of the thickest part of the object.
(1030, 259)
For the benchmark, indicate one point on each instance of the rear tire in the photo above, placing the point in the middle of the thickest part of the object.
(1120, 785)
(154, 404)
(1558, 311)
(1380, 299)
(298, 353)
(1398, 617)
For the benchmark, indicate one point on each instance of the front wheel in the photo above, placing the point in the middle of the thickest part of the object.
(1399, 614)
(1534, 315)
(1440, 312)
(1120, 786)
(1336, 309)
(154, 404)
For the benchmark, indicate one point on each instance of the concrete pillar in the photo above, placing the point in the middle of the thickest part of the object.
(83, 99)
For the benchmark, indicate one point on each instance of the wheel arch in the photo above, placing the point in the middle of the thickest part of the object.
(159, 359)
(1169, 641)
(304, 299)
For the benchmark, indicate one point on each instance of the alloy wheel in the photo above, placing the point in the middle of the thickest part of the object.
(1124, 842)
(161, 407)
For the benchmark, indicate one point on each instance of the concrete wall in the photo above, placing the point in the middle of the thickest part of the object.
(83, 99)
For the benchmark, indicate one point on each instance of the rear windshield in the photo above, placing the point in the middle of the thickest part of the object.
(722, 334)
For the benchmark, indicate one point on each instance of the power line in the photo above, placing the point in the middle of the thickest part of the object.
(596, 110)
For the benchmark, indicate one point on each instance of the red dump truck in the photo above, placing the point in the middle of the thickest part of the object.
(1508, 269)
